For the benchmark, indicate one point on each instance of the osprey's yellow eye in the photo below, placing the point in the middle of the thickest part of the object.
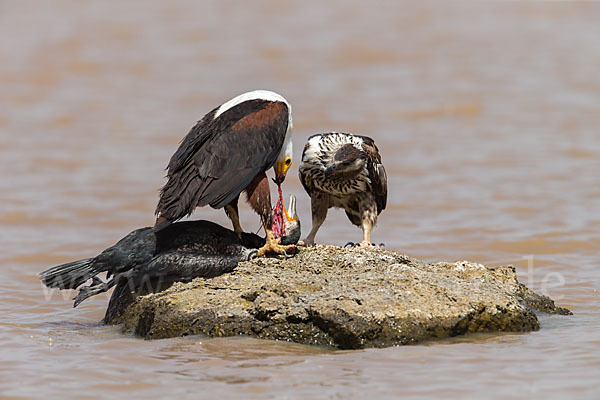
(288, 161)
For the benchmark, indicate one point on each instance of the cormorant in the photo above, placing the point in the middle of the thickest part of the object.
(146, 261)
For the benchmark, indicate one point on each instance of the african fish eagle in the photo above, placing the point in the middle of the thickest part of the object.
(226, 153)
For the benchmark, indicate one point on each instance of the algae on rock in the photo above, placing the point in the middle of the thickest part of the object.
(349, 298)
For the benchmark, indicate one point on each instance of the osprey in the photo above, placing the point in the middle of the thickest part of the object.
(345, 171)
(226, 153)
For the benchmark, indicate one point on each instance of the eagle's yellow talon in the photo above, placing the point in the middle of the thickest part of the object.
(273, 245)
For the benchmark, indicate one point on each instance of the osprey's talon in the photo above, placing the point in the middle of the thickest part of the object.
(349, 245)
(306, 243)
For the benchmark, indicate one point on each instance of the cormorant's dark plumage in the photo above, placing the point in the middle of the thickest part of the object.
(146, 261)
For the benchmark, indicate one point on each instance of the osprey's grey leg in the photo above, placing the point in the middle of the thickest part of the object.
(366, 241)
(319, 203)
(368, 211)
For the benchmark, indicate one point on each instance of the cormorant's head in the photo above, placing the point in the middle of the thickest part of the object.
(286, 224)
(346, 160)
(284, 160)
(291, 233)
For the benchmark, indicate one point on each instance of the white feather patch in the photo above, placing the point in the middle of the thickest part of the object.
(330, 141)
(255, 95)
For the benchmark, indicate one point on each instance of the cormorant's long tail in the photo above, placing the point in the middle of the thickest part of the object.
(69, 275)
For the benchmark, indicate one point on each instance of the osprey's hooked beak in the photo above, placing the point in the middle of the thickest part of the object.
(331, 169)
(281, 168)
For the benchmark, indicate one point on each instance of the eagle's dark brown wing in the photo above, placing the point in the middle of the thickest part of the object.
(219, 157)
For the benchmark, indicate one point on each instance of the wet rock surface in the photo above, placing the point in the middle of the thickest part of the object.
(348, 298)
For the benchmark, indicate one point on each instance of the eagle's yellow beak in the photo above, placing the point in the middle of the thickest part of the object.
(281, 168)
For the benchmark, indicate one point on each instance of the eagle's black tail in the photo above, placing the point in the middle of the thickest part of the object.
(69, 275)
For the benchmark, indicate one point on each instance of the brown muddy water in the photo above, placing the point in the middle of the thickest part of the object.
(488, 118)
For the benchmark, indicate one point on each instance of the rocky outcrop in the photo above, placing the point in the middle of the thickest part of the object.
(348, 298)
